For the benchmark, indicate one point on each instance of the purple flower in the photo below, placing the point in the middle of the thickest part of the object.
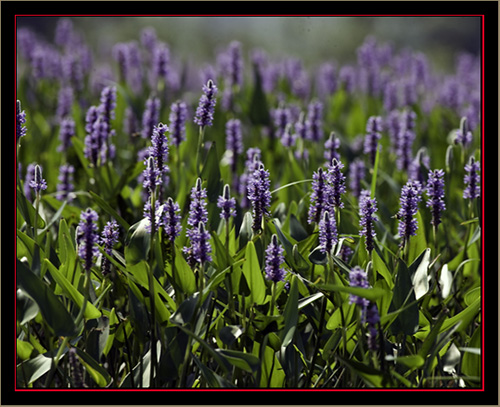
(65, 185)
(390, 96)
(282, 116)
(321, 190)
(151, 175)
(149, 38)
(177, 118)
(30, 176)
(327, 233)
(367, 207)
(331, 148)
(372, 318)
(419, 166)
(326, 80)
(200, 250)
(38, 183)
(87, 238)
(150, 117)
(373, 129)
(161, 60)
(463, 136)
(226, 204)
(357, 172)
(198, 206)
(171, 220)
(20, 120)
(347, 78)
(90, 118)
(287, 138)
(95, 143)
(205, 111)
(358, 278)
(410, 197)
(472, 180)
(337, 181)
(231, 64)
(159, 149)
(109, 238)
(259, 195)
(274, 260)
(314, 129)
(148, 212)
(435, 191)
(66, 131)
(64, 102)
(108, 104)
(406, 137)
(63, 31)
(234, 141)
(253, 159)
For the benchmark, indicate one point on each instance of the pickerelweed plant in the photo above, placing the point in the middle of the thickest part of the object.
(301, 225)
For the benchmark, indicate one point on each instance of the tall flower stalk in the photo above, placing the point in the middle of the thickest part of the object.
(435, 192)
(205, 115)
(367, 207)
(259, 195)
(274, 270)
(410, 197)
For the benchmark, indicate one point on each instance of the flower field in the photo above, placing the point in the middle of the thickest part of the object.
(257, 221)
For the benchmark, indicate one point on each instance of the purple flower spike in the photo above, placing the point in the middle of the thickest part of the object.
(357, 172)
(372, 318)
(66, 131)
(198, 206)
(287, 138)
(200, 245)
(64, 102)
(38, 183)
(227, 204)
(406, 137)
(234, 141)
(281, 117)
(435, 191)
(30, 176)
(327, 233)
(87, 238)
(148, 212)
(472, 180)
(159, 149)
(274, 260)
(259, 195)
(65, 186)
(331, 148)
(373, 129)
(337, 181)
(313, 122)
(150, 117)
(321, 190)
(358, 278)
(205, 111)
(152, 176)
(177, 118)
(410, 197)
(367, 207)
(108, 103)
(109, 238)
(171, 220)
(20, 120)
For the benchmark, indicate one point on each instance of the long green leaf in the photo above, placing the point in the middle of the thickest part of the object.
(253, 275)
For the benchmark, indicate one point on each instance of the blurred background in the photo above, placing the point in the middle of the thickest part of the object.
(311, 38)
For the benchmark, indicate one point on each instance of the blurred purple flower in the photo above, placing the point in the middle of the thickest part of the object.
(274, 260)
(226, 204)
(177, 118)
(259, 195)
(472, 180)
(435, 192)
(87, 238)
(150, 117)
(65, 186)
(327, 232)
(205, 111)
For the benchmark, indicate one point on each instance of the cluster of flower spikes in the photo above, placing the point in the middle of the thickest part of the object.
(200, 250)
(98, 148)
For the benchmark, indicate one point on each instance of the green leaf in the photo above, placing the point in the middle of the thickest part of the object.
(253, 275)
(291, 314)
(407, 321)
(418, 271)
(297, 231)
(374, 176)
(91, 312)
(380, 267)
(98, 374)
(372, 294)
(472, 295)
(245, 361)
(229, 333)
(184, 273)
(471, 361)
(410, 361)
(53, 311)
(24, 349)
(137, 243)
(417, 243)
